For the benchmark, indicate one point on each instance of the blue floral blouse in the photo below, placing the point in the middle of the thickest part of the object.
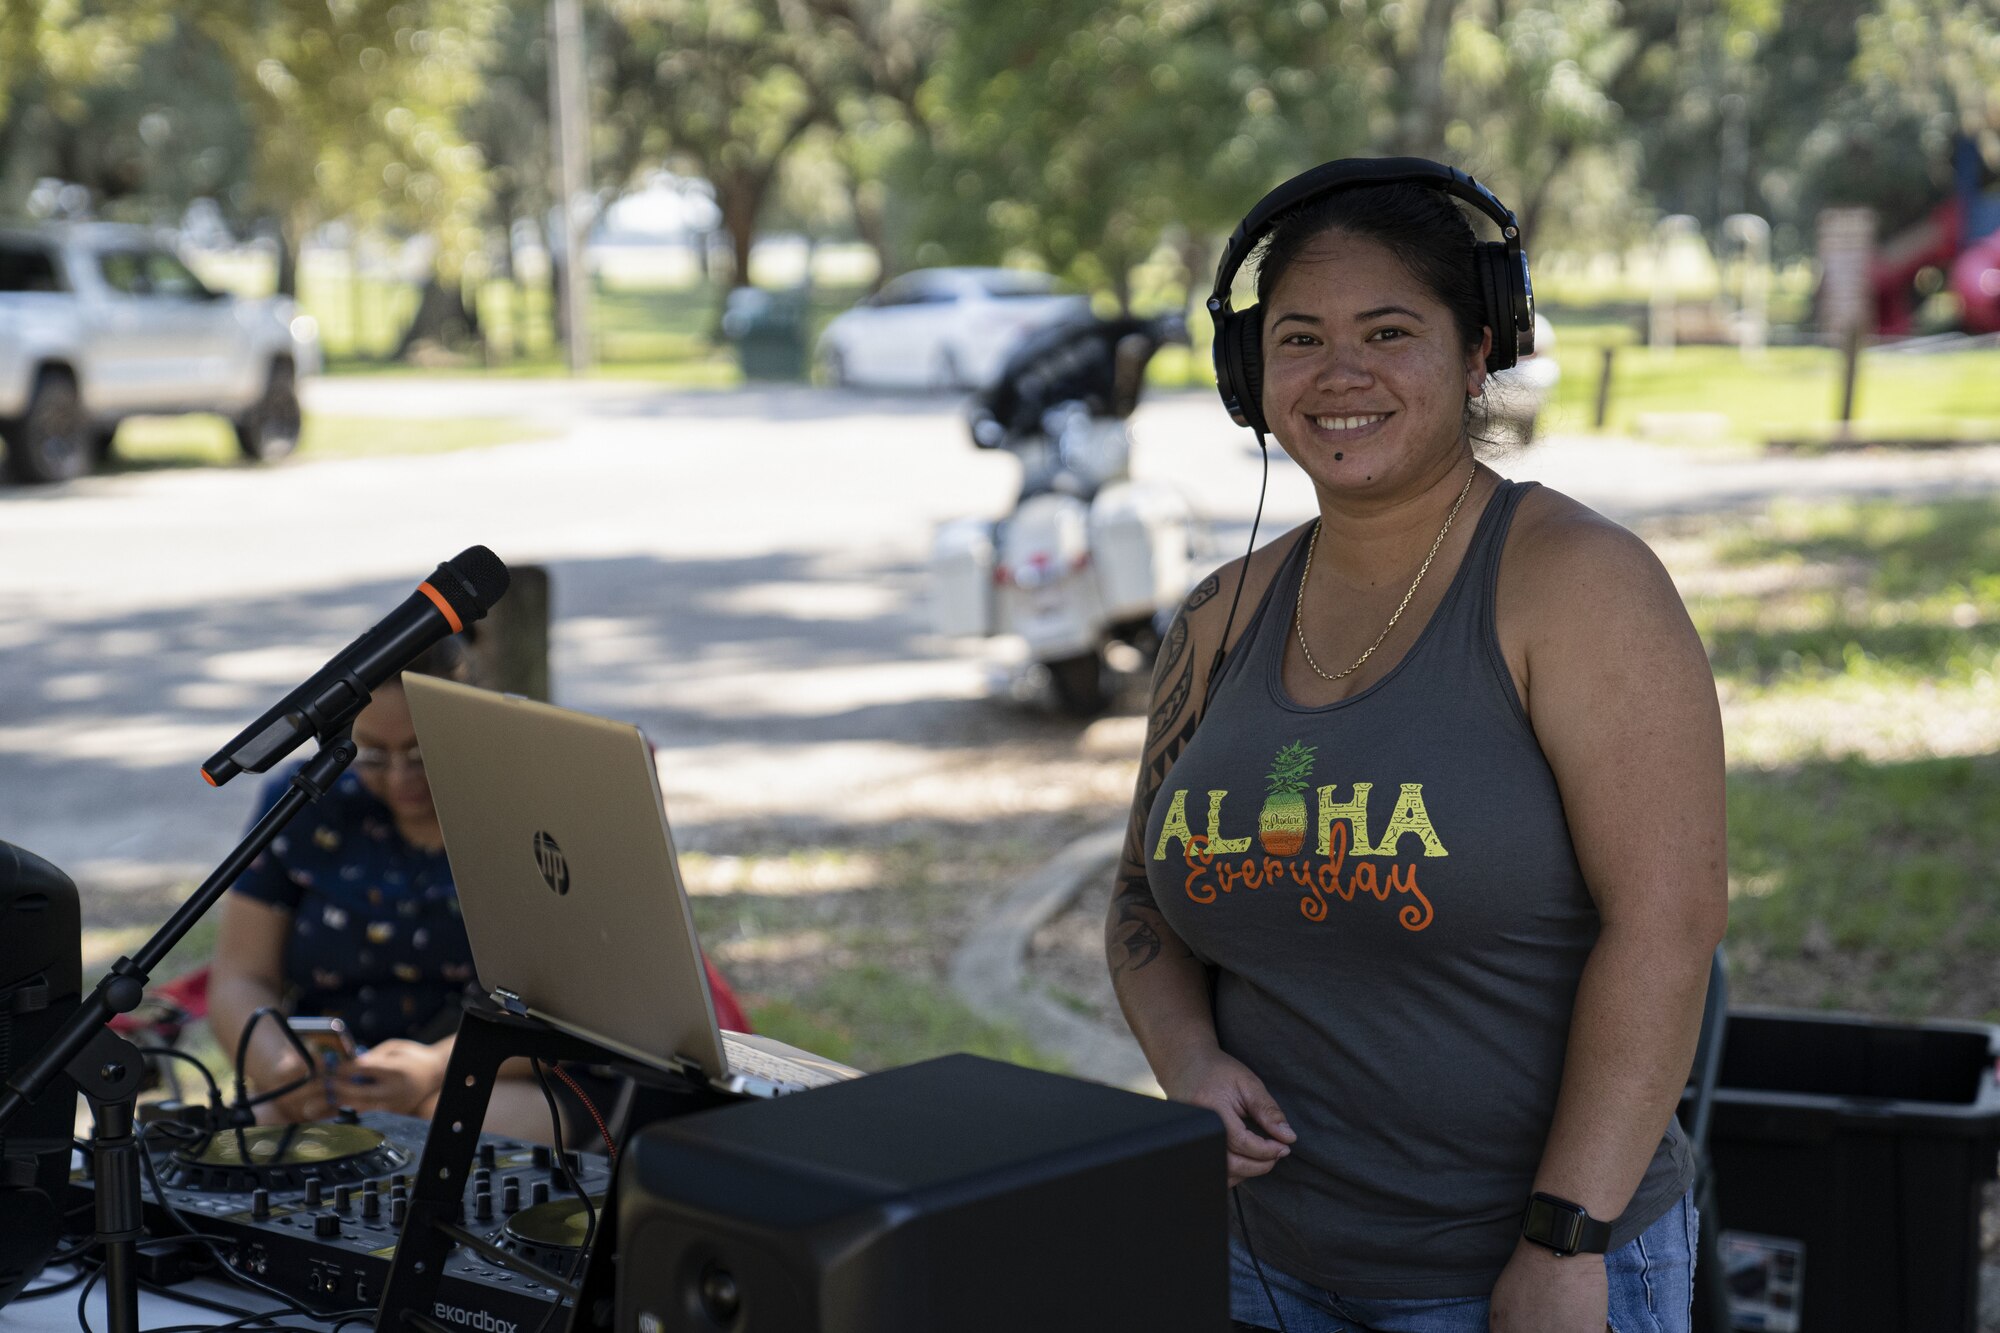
(376, 938)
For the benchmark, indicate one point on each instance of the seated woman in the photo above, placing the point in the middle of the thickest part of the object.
(351, 913)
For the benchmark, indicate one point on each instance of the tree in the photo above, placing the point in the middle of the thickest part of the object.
(54, 54)
(353, 107)
(1084, 134)
(881, 54)
(1935, 66)
(726, 88)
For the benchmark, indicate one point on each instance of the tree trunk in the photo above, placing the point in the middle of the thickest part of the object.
(1422, 128)
(1531, 213)
(873, 228)
(739, 199)
(1121, 283)
(20, 148)
(1198, 263)
(291, 232)
(739, 196)
(443, 320)
(508, 258)
(558, 313)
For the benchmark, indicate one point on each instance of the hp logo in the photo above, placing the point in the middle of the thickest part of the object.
(550, 860)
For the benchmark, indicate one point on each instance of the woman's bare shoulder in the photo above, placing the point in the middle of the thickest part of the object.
(1573, 580)
(1558, 543)
(1207, 606)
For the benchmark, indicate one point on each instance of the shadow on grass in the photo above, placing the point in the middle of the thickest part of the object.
(1868, 886)
(1905, 588)
(1919, 652)
(1908, 549)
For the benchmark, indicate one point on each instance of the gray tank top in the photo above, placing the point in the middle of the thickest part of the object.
(1385, 890)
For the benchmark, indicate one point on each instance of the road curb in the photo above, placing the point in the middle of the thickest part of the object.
(989, 971)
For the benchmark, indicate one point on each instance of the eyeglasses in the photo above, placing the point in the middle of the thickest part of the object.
(373, 759)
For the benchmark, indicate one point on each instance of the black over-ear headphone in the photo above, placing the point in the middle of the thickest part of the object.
(1506, 294)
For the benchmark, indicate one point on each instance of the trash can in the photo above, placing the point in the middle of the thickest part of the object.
(769, 330)
(1849, 1158)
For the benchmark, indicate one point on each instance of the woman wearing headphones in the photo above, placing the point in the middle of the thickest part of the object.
(1426, 865)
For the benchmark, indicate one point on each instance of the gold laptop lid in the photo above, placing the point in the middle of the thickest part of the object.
(558, 840)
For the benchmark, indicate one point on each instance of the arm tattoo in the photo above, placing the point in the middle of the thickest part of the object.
(1137, 919)
(1135, 927)
(1171, 650)
(1133, 930)
(1207, 589)
(1176, 699)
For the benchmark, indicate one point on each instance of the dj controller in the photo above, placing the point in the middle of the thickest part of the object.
(315, 1211)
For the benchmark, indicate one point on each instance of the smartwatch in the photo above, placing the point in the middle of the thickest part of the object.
(1565, 1227)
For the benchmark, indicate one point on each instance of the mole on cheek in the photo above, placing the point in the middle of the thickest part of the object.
(1338, 457)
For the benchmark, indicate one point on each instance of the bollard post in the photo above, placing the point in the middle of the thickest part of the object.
(1850, 372)
(1604, 387)
(510, 648)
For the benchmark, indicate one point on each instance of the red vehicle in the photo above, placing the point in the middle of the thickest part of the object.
(1961, 237)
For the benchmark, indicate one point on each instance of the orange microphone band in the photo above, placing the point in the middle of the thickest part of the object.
(437, 599)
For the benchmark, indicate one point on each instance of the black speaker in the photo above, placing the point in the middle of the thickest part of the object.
(41, 983)
(959, 1194)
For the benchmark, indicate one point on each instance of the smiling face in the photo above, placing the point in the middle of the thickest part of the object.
(1365, 374)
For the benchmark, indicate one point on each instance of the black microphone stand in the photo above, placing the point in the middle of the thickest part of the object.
(108, 1068)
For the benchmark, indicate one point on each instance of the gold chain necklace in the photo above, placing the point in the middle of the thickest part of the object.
(1299, 611)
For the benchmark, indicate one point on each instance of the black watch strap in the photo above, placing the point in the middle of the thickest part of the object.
(1565, 1227)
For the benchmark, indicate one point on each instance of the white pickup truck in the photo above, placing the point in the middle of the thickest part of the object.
(99, 322)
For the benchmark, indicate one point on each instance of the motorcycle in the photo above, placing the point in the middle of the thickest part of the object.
(1090, 563)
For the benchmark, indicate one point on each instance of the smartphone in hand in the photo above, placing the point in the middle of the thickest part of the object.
(331, 1044)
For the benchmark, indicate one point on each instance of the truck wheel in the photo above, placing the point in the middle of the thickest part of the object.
(833, 368)
(270, 429)
(1079, 685)
(51, 442)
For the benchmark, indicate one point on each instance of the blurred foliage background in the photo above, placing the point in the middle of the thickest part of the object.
(1114, 142)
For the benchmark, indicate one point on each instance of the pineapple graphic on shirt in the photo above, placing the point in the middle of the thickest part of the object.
(1282, 824)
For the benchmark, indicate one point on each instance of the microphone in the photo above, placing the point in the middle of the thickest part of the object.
(460, 591)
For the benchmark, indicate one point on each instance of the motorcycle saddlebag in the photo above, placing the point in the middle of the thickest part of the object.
(1139, 544)
(961, 578)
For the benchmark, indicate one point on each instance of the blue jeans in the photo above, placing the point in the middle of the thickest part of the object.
(1651, 1286)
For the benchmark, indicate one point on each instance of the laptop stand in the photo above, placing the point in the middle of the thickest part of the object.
(488, 1035)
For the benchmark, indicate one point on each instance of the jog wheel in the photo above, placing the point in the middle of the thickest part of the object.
(550, 1235)
(282, 1157)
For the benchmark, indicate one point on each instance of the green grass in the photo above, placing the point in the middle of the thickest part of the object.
(663, 334)
(1789, 392)
(668, 335)
(154, 443)
(1857, 648)
(873, 1018)
(1882, 591)
(1877, 878)
(842, 947)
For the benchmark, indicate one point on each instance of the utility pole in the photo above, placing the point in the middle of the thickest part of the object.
(569, 124)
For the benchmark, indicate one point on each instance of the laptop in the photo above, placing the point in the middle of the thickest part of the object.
(570, 890)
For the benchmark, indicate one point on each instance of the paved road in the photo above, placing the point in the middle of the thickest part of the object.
(740, 573)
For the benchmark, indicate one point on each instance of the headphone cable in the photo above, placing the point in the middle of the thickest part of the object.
(1222, 645)
(1243, 1225)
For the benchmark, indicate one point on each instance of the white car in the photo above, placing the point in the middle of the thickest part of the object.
(941, 328)
(100, 322)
